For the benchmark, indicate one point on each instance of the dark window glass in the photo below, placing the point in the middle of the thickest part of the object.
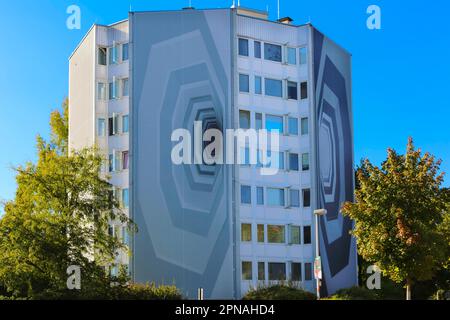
(260, 230)
(244, 119)
(296, 271)
(102, 56)
(246, 195)
(246, 270)
(293, 161)
(308, 271)
(277, 271)
(292, 90)
(272, 52)
(307, 235)
(261, 271)
(111, 126)
(257, 48)
(273, 88)
(306, 198)
(243, 83)
(243, 47)
(303, 90)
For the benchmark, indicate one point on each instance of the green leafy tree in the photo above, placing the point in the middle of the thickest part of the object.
(399, 213)
(60, 217)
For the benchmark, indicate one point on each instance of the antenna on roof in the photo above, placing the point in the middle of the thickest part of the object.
(278, 2)
(239, 3)
(234, 4)
(190, 3)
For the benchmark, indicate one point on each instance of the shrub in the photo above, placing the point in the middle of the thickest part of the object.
(279, 292)
(354, 293)
(146, 292)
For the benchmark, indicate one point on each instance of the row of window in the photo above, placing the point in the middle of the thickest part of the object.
(284, 124)
(290, 234)
(113, 90)
(116, 124)
(283, 160)
(277, 271)
(276, 197)
(113, 55)
(274, 87)
(273, 52)
(118, 160)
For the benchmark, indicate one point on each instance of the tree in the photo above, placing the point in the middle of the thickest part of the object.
(398, 214)
(60, 217)
(59, 125)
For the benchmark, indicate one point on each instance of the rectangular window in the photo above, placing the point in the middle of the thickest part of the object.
(272, 52)
(114, 90)
(246, 195)
(260, 196)
(260, 230)
(243, 83)
(246, 270)
(102, 56)
(258, 85)
(125, 87)
(101, 127)
(261, 271)
(304, 90)
(293, 126)
(295, 198)
(243, 47)
(293, 161)
(274, 123)
(306, 198)
(244, 119)
(125, 51)
(117, 160)
(125, 162)
(125, 238)
(291, 56)
(308, 271)
(303, 55)
(275, 159)
(125, 198)
(246, 232)
(101, 91)
(275, 234)
(125, 127)
(305, 126)
(111, 127)
(258, 121)
(296, 271)
(275, 197)
(111, 163)
(277, 271)
(305, 161)
(294, 235)
(113, 55)
(257, 49)
(307, 235)
(273, 88)
(292, 90)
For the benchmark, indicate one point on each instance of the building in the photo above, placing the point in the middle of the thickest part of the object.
(223, 228)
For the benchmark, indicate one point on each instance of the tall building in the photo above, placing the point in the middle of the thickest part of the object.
(224, 228)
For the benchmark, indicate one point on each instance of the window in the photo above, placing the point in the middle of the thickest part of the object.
(111, 163)
(243, 47)
(125, 198)
(304, 90)
(246, 270)
(292, 90)
(274, 123)
(296, 271)
(246, 195)
(102, 56)
(305, 161)
(244, 119)
(275, 197)
(244, 157)
(273, 88)
(272, 52)
(101, 127)
(117, 160)
(101, 91)
(308, 271)
(303, 55)
(260, 196)
(125, 126)
(258, 121)
(125, 238)
(291, 56)
(306, 198)
(295, 198)
(293, 126)
(304, 125)
(124, 51)
(293, 161)
(257, 49)
(114, 90)
(125, 87)
(246, 232)
(243, 83)
(125, 162)
(275, 159)
(294, 235)
(277, 271)
(110, 126)
(113, 55)
(261, 271)
(258, 85)
(307, 235)
(260, 231)
(275, 234)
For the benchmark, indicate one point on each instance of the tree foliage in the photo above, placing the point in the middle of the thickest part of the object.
(399, 215)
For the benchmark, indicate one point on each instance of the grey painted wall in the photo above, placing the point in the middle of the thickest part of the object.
(180, 72)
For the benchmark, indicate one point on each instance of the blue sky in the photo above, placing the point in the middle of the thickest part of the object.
(401, 73)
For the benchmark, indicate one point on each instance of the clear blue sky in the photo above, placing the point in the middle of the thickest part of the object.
(401, 74)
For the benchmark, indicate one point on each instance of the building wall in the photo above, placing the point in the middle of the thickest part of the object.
(181, 72)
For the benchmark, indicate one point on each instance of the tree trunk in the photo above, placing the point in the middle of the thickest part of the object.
(408, 289)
